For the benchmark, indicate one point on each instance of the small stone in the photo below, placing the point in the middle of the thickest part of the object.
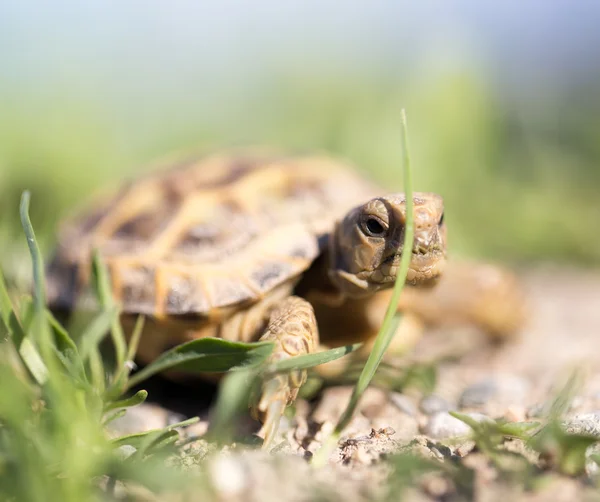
(591, 467)
(361, 456)
(442, 425)
(174, 418)
(478, 394)
(576, 403)
(403, 403)
(432, 404)
(515, 413)
(141, 418)
(584, 423)
(228, 476)
(536, 410)
(463, 449)
(502, 389)
(196, 430)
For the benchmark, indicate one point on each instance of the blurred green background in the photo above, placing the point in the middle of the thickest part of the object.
(502, 98)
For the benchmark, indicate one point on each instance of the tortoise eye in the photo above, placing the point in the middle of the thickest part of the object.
(373, 227)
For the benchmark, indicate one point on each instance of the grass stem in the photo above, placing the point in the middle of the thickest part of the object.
(391, 319)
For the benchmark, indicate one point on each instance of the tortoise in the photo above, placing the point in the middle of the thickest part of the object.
(251, 245)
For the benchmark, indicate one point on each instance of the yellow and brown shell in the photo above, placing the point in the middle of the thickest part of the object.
(209, 234)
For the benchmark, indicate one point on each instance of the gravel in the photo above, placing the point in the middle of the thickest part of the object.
(442, 425)
(502, 389)
(432, 404)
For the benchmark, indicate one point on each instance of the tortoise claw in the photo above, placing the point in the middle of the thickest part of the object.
(271, 407)
(293, 328)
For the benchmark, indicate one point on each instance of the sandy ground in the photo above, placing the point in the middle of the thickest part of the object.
(512, 380)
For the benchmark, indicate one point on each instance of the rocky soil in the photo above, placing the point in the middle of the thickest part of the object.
(515, 380)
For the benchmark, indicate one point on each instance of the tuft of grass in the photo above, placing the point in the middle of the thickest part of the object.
(557, 449)
(59, 394)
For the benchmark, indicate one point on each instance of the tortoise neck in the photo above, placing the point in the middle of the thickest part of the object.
(316, 282)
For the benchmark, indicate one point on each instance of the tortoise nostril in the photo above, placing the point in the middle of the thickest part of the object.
(419, 249)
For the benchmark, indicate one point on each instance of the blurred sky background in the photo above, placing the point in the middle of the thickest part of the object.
(502, 97)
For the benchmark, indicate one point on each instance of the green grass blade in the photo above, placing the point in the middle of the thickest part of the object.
(134, 341)
(8, 315)
(206, 355)
(33, 361)
(6, 308)
(231, 402)
(96, 365)
(64, 342)
(39, 331)
(95, 333)
(113, 416)
(104, 294)
(119, 380)
(143, 440)
(138, 398)
(39, 291)
(391, 319)
(66, 349)
(312, 360)
(521, 430)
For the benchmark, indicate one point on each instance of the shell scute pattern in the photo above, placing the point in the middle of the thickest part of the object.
(211, 233)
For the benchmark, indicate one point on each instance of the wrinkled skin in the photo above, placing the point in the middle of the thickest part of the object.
(367, 245)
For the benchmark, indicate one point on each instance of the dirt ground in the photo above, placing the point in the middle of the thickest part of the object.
(512, 380)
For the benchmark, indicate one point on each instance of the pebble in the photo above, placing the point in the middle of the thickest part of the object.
(584, 423)
(536, 410)
(515, 413)
(140, 418)
(502, 389)
(228, 476)
(442, 425)
(196, 430)
(591, 467)
(432, 404)
(403, 403)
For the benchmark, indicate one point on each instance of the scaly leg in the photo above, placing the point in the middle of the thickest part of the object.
(293, 328)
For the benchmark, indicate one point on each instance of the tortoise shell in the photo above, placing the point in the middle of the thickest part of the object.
(208, 234)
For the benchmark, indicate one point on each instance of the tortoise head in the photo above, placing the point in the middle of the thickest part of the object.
(367, 244)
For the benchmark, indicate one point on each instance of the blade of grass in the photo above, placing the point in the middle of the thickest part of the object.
(138, 398)
(391, 319)
(206, 355)
(231, 401)
(6, 308)
(96, 366)
(143, 440)
(311, 360)
(134, 341)
(9, 316)
(95, 332)
(119, 380)
(105, 297)
(39, 292)
(65, 350)
(39, 330)
(64, 342)
(113, 416)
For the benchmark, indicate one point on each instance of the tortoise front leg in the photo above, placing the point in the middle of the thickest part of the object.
(293, 328)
